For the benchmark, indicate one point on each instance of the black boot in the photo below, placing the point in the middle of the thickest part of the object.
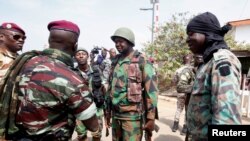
(175, 126)
(184, 130)
(96, 139)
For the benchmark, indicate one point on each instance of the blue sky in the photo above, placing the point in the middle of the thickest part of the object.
(98, 19)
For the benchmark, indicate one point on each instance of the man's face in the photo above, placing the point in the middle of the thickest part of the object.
(196, 42)
(104, 53)
(12, 40)
(81, 57)
(112, 53)
(121, 45)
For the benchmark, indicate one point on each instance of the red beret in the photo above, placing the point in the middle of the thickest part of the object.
(12, 26)
(64, 25)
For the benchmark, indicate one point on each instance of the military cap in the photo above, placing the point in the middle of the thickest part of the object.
(82, 49)
(12, 26)
(64, 25)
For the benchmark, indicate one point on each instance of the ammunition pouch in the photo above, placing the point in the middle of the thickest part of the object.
(134, 93)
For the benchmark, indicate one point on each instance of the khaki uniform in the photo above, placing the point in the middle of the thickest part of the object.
(6, 59)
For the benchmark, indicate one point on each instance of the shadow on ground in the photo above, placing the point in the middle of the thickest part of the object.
(246, 119)
(167, 122)
(170, 123)
(168, 137)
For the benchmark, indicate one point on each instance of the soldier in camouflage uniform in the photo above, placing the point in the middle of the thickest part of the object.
(105, 67)
(51, 95)
(185, 85)
(87, 73)
(183, 74)
(131, 75)
(12, 38)
(215, 98)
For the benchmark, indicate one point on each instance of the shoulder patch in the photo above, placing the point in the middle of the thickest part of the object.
(224, 70)
(222, 64)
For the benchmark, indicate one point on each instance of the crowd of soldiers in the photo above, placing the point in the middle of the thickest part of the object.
(51, 97)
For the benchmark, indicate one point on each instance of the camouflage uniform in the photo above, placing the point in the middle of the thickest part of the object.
(6, 59)
(80, 128)
(126, 113)
(184, 85)
(184, 79)
(51, 97)
(105, 67)
(215, 98)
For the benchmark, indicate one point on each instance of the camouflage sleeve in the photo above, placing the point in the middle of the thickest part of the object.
(185, 83)
(106, 72)
(225, 99)
(151, 89)
(81, 103)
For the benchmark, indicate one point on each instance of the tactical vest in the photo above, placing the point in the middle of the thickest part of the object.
(9, 93)
(135, 69)
(135, 83)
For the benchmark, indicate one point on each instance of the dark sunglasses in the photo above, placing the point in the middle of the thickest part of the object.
(15, 36)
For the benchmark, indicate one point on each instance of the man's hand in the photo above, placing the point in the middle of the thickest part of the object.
(149, 128)
(150, 125)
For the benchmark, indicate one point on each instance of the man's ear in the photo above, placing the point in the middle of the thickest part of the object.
(1, 37)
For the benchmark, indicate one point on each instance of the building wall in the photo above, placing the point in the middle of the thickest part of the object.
(242, 33)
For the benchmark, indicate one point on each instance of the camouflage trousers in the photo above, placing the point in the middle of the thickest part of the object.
(126, 130)
(181, 99)
(82, 130)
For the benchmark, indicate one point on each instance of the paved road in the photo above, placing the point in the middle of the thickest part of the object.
(167, 107)
(166, 113)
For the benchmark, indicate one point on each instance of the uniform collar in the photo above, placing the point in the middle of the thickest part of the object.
(127, 58)
(6, 52)
(59, 55)
(87, 71)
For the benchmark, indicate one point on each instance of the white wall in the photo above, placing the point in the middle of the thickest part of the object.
(243, 33)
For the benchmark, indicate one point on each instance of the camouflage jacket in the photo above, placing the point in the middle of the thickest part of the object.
(6, 59)
(105, 67)
(177, 73)
(87, 75)
(122, 107)
(215, 98)
(185, 80)
(52, 96)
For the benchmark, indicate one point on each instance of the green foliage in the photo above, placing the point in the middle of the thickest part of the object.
(169, 47)
(234, 45)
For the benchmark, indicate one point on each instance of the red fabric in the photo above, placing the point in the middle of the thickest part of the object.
(64, 25)
(151, 59)
(12, 26)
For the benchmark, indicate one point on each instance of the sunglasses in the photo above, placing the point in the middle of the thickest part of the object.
(15, 36)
